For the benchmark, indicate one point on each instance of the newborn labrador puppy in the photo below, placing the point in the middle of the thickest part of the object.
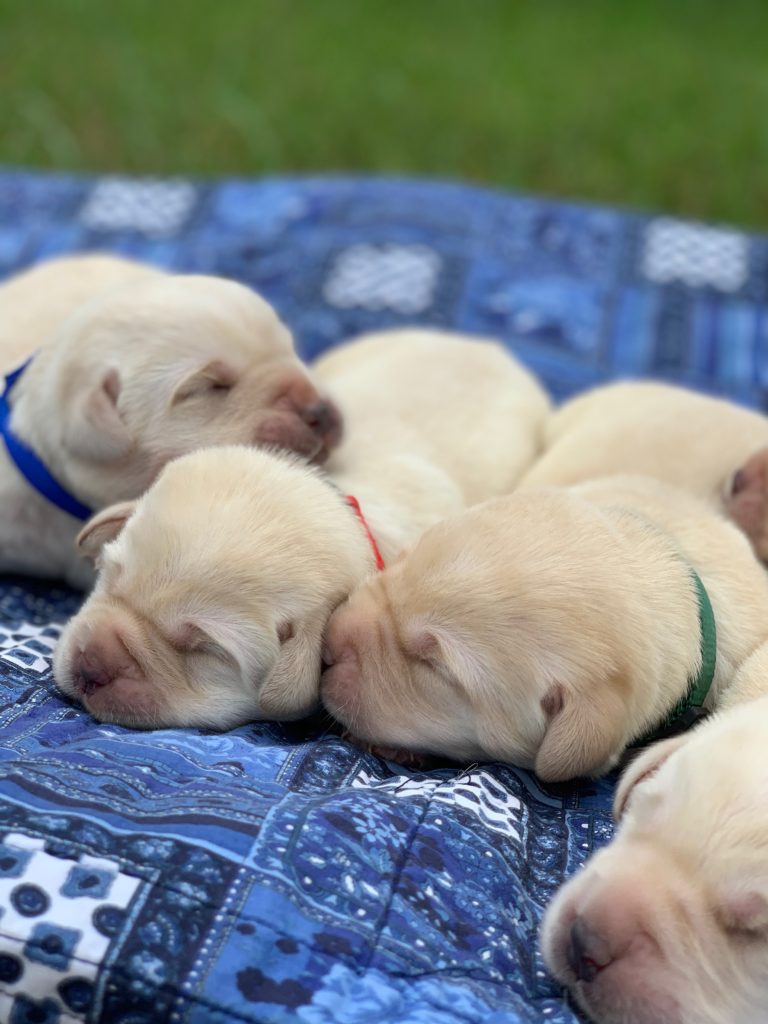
(669, 923)
(134, 367)
(215, 588)
(707, 446)
(550, 628)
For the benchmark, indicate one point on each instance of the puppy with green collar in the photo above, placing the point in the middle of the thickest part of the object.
(550, 629)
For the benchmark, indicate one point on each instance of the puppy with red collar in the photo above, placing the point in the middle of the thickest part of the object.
(132, 367)
(215, 588)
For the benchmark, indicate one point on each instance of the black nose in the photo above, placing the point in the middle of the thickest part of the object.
(321, 417)
(580, 962)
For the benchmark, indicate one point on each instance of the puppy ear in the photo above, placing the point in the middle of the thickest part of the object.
(102, 528)
(96, 430)
(746, 500)
(585, 735)
(641, 768)
(293, 689)
(214, 376)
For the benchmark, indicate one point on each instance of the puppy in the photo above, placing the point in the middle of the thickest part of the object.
(550, 628)
(709, 447)
(215, 588)
(133, 368)
(669, 923)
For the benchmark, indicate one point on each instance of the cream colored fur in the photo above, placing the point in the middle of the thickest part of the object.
(694, 441)
(133, 367)
(669, 923)
(212, 601)
(549, 628)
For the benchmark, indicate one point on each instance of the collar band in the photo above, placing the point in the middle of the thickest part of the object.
(29, 463)
(354, 504)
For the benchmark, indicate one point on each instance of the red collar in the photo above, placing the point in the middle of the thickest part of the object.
(355, 505)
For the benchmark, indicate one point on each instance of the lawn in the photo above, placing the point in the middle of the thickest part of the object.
(658, 104)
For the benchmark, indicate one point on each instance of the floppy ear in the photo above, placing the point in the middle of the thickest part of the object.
(102, 528)
(642, 767)
(95, 429)
(585, 734)
(215, 376)
(293, 689)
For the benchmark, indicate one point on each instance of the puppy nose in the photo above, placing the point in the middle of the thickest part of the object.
(91, 672)
(103, 659)
(323, 417)
(580, 947)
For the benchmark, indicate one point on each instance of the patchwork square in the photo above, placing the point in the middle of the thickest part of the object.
(695, 255)
(60, 915)
(145, 205)
(401, 278)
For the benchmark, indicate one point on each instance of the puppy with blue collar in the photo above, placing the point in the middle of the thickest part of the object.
(127, 367)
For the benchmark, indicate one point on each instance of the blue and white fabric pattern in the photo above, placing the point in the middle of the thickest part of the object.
(275, 874)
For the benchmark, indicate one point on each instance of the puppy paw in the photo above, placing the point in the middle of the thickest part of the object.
(746, 501)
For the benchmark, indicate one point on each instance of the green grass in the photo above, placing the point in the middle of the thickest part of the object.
(655, 103)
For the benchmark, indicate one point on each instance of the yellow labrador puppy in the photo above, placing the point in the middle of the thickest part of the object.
(550, 628)
(707, 446)
(133, 367)
(669, 923)
(215, 588)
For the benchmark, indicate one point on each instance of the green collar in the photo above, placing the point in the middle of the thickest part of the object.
(691, 707)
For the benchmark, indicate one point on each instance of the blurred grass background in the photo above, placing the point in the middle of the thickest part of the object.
(653, 103)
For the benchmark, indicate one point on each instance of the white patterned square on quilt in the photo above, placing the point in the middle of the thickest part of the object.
(477, 792)
(28, 647)
(149, 206)
(57, 918)
(377, 277)
(696, 255)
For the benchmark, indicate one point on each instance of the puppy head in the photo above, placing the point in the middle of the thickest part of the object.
(505, 633)
(151, 370)
(669, 924)
(212, 595)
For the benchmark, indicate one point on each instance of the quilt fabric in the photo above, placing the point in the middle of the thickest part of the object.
(274, 873)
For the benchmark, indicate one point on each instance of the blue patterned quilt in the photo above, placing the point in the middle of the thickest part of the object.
(274, 873)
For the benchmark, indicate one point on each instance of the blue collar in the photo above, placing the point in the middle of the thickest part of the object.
(28, 463)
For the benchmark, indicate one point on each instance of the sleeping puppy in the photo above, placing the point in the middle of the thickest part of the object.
(550, 628)
(215, 588)
(133, 368)
(669, 923)
(707, 446)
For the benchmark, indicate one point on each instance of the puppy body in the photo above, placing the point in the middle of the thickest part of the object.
(549, 628)
(135, 367)
(669, 923)
(693, 441)
(216, 587)
(459, 408)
